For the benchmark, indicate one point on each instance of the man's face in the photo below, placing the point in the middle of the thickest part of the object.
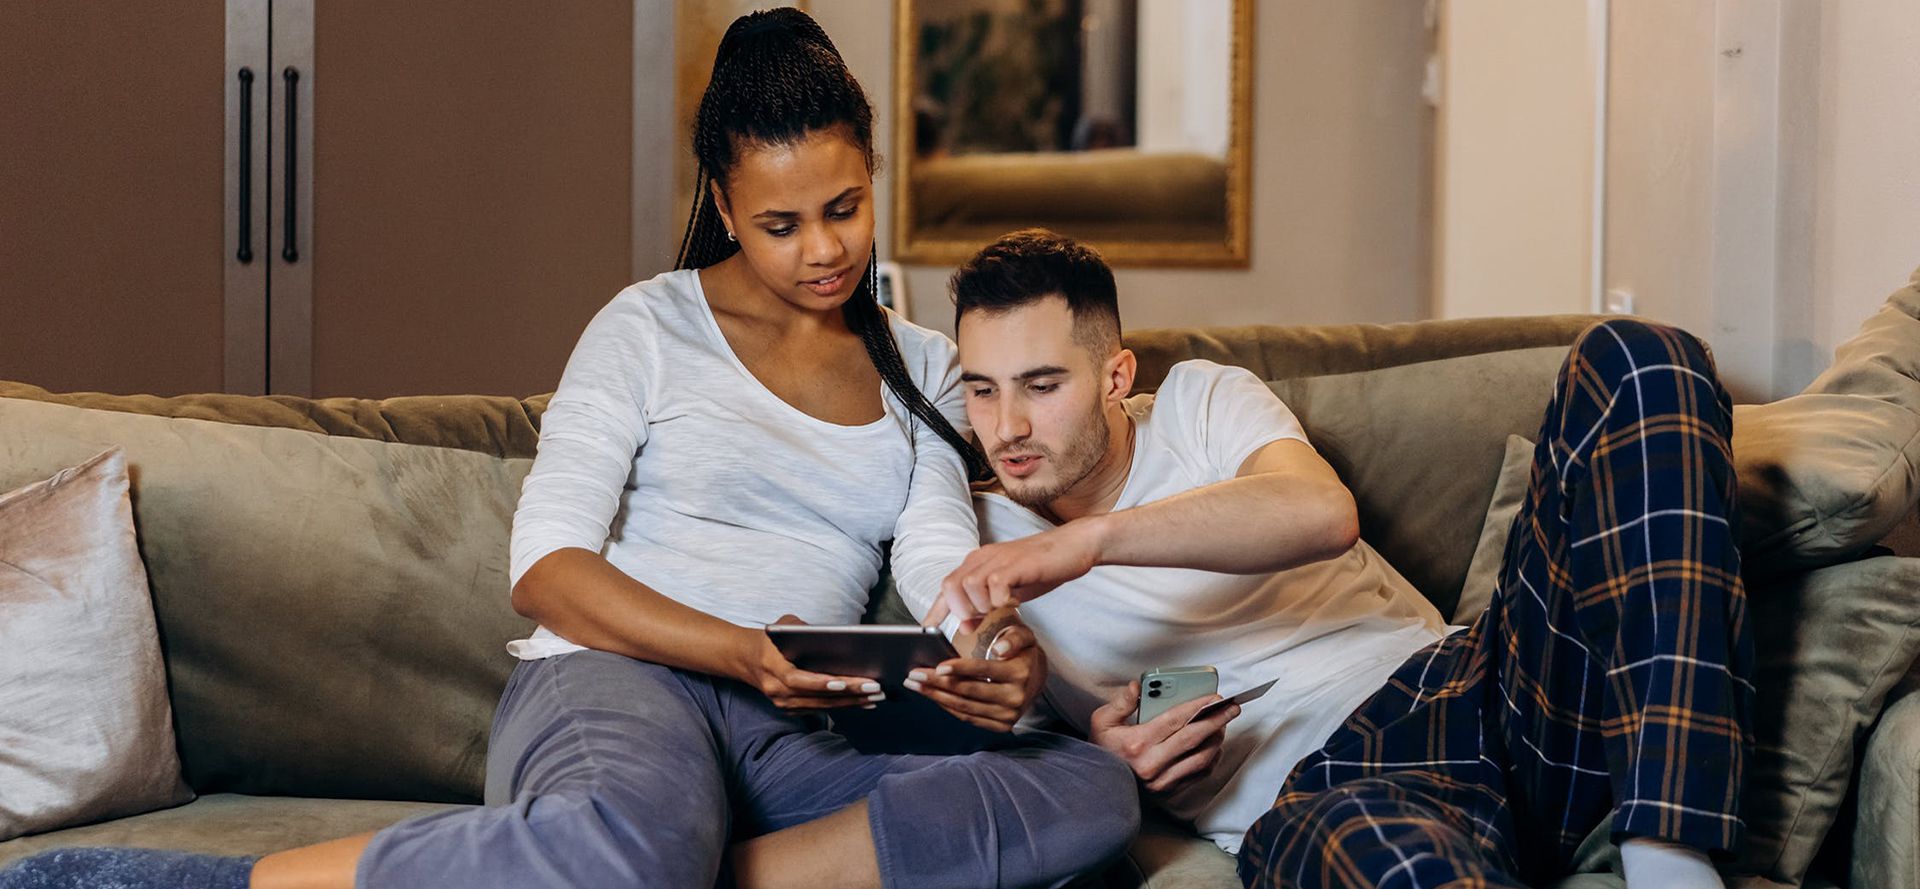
(1035, 397)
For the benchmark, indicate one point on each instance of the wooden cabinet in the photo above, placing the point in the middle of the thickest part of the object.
(393, 198)
(110, 211)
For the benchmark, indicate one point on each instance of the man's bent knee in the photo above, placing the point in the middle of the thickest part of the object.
(1642, 343)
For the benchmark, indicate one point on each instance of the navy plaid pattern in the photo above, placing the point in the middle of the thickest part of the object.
(1610, 674)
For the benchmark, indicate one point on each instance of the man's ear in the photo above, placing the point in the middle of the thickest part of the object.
(1119, 374)
(720, 203)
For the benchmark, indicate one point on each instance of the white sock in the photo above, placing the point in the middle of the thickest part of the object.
(1657, 864)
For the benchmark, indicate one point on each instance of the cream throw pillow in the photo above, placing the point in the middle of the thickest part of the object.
(86, 732)
(1483, 573)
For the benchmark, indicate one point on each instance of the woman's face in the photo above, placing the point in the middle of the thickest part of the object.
(803, 213)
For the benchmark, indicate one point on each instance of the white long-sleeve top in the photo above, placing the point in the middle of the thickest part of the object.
(662, 452)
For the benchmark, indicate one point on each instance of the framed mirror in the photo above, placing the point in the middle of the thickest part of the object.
(1124, 123)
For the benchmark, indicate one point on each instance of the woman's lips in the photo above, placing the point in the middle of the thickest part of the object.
(826, 286)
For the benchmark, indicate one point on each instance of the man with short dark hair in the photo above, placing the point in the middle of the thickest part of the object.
(1198, 526)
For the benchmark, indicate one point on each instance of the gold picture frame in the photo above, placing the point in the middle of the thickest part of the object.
(915, 243)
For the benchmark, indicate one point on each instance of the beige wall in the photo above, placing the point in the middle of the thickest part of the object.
(1865, 220)
(1659, 215)
(1514, 214)
(1762, 183)
(1341, 194)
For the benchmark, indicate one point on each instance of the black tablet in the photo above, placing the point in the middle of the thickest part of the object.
(881, 652)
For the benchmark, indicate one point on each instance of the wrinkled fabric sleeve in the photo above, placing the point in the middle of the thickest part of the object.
(937, 528)
(592, 430)
(1228, 412)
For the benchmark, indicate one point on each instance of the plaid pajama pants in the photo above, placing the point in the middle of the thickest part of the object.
(1608, 676)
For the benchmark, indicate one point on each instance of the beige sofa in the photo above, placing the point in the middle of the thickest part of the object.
(329, 576)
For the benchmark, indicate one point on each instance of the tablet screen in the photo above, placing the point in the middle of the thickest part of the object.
(881, 652)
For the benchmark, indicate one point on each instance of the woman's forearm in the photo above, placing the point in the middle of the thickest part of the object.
(582, 597)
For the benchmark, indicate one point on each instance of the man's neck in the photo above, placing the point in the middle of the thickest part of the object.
(1097, 493)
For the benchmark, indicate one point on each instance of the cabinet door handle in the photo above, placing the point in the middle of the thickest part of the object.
(245, 253)
(291, 76)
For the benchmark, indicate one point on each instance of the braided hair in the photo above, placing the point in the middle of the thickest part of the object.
(777, 78)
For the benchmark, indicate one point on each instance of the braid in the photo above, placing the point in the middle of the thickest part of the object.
(865, 318)
(776, 78)
(705, 241)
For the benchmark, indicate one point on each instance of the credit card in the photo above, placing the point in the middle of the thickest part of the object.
(1240, 699)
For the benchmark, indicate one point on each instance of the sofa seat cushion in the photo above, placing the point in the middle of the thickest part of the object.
(1164, 856)
(230, 824)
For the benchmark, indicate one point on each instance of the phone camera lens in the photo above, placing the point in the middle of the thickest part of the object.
(1154, 684)
(1154, 694)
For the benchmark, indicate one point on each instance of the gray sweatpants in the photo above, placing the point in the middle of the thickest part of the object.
(605, 771)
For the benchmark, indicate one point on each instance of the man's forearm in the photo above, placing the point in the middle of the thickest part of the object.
(1249, 525)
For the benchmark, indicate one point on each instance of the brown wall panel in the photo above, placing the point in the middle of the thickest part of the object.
(110, 194)
(472, 181)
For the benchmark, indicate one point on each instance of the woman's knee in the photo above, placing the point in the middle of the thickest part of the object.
(1097, 798)
(1058, 807)
(611, 836)
(1110, 807)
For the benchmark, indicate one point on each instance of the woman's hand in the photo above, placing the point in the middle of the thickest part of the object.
(994, 688)
(791, 688)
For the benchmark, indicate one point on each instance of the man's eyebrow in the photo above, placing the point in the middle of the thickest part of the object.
(1051, 370)
(781, 215)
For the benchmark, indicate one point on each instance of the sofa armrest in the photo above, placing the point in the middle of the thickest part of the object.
(1886, 851)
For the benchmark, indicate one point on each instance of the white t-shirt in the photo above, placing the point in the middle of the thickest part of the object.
(1331, 632)
(661, 451)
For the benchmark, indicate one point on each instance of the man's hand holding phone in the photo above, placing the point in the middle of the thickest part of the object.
(1168, 752)
(993, 686)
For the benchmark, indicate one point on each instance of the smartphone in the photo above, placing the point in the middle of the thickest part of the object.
(1164, 688)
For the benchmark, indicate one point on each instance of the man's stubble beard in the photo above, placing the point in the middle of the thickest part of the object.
(1072, 465)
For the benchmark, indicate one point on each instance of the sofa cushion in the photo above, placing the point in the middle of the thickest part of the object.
(1166, 855)
(1279, 353)
(230, 824)
(1490, 554)
(1421, 446)
(1886, 846)
(1826, 474)
(1823, 477)
(85, 729)
(333, 610)
(503, 427)
(1829, 645)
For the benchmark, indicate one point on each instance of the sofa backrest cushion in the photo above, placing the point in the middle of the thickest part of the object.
(333, 610)
(1283, 353)
(1421, 445)
(1828, 473)
(486, 424)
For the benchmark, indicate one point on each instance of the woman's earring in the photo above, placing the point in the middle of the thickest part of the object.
(730, 236)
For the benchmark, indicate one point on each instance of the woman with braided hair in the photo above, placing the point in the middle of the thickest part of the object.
(731, 444)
